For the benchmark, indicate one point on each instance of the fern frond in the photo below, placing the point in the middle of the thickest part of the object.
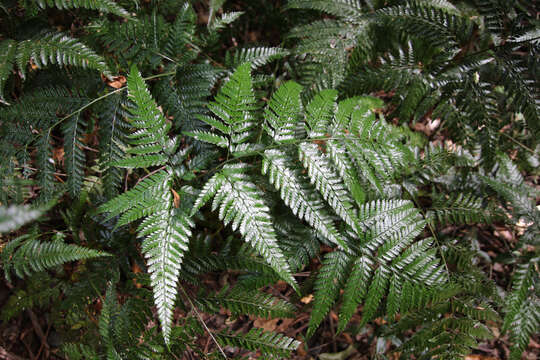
(113, 133)
(34, 256)
(58, 48)
(166, 237)
(355, 289)
(282, 112)
(241, 203)
(104, 6)
(75, 159)
(323, 177)
(234, 106)
(271, 344)
(253, 302)
(339, 8)
(335, 267)
(151, 135)
(319, 112)
(522, 318)
(460, 209)
(296, 192)
(256, 56)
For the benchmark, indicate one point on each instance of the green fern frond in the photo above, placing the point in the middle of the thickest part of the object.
(355, 289)
(256, 56)
(297, 194)
(460, 209)
(323, 177)
(234, 108)
(113, 133)
(283, 111)
(335, 267)
(104, 6)
(151, 134)
(272, 345)
(253, 302)
(14, 216)
(75, 158)
(31, 255)
(522, 318)
(58, 48)
(339, 8)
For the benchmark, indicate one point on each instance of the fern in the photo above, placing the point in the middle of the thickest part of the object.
(105, 6)
(274, 345)
(74, 154)
(57, 48)
(240, 302)
(240, 202)
(27, 255)
(165, 230)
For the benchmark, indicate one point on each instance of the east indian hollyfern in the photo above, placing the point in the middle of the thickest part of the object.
(265, 183)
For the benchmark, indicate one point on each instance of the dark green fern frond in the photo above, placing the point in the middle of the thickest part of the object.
(271, 344)
(460, 209)
(253, 302)
(113, 133)
(522, 319)
(339, 8)
(104, 6)
(58, 48)
(30, 255)
(8, 50)
(335, 267)
(75, 159)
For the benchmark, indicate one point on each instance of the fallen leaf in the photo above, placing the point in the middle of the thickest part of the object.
(117, 82)
(307, 299)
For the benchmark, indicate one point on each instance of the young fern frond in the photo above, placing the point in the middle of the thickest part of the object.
(234, 108)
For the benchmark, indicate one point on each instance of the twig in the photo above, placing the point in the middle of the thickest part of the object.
(37, 329)
(194, 308)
